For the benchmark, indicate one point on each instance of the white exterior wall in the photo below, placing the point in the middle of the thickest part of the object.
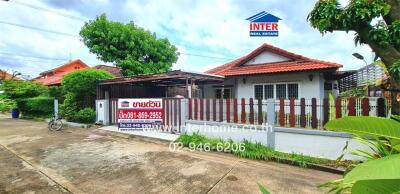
(316, 143)
(266, 57)
(245, 89)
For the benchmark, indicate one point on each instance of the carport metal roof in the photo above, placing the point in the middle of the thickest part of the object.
(172, 78)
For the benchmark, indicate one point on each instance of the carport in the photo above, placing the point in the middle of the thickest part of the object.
(162, 85)
(172, 86)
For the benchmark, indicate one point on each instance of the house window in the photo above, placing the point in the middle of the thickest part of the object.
(223, 93)
(280, 91)
(218, 93)
(258, 91)
(227, 93)
(77, 67)
(277, 91)
(293, 90)
(268, 91)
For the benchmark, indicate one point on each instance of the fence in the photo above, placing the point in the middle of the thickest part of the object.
(303, 113)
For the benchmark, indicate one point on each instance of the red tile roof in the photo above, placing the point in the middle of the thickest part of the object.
(296, 63)
(53, 80)
(111, 69)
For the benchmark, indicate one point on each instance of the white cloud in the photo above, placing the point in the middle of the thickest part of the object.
(212, 28)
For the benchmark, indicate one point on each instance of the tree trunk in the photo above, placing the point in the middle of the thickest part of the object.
(395, 104)
(389, 55)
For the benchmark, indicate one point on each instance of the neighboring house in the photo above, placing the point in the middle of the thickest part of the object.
(6, 76)
(111, 69)
(54, 76)
(271, 72)
(369, 77)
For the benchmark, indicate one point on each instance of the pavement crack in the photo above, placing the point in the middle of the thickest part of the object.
(36, 169)
(226, 174)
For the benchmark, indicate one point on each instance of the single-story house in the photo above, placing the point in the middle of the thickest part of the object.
(266, 72)
(271, 72)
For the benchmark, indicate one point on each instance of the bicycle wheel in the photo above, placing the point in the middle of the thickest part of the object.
(56, 125)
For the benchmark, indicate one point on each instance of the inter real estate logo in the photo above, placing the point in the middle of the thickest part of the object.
(264, 24)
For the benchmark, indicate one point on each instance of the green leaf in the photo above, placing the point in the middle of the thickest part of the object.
(262, 189)
(376, 186)
(383, 168)
(366, 126)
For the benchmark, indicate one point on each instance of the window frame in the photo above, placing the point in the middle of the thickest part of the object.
(274, 86)
(223, 92)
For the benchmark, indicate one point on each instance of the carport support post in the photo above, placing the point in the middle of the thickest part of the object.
(270, 124)
(107, 108)
(189, 89)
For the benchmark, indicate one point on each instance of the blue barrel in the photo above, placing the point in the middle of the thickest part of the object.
(15, 113)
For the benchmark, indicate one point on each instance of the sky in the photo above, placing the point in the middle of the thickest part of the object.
(215, 30)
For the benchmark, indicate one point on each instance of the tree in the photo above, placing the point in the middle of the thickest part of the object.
(133, 49)
(16, 89)
(82, 84)
(375, 22)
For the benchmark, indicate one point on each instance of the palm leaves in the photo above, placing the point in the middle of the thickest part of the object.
(381, 174)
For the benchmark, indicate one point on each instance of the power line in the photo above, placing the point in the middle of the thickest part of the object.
(27, 60)
(37, 57)
(205, 56)
(39, 29)
(49, 10)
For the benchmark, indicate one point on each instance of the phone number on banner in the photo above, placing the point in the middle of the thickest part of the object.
(140, 114)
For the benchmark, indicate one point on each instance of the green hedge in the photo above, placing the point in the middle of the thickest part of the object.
(7, 104)
(36, 106)
(86, 115)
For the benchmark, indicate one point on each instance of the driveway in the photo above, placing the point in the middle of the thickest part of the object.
(75, 160)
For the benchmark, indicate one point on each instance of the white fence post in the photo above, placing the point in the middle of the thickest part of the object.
(270, 123)
(56, 108)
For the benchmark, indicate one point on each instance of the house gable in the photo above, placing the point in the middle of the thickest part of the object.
(267, 57)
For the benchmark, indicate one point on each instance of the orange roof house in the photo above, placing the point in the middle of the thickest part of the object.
(271, 72)
(54, 76)
(116, 71)
(6, 76)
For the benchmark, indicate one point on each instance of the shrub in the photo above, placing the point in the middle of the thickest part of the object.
(57, 92)
(86, 115)
(15, 89)
(356, 92)
(36, 106)
(82, 83)
(69, 108)
(7, 104)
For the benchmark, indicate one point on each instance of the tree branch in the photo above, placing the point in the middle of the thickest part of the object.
(389, 54)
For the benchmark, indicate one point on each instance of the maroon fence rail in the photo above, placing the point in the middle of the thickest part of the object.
(301, 113)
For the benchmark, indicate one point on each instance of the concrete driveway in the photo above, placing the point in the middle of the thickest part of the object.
(34, 160)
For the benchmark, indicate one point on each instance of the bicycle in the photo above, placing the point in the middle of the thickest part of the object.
(55, 123)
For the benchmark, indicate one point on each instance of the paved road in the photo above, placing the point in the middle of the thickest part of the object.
(34, 160)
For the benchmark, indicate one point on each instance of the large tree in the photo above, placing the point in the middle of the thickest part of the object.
(133, 49)
(375, 22)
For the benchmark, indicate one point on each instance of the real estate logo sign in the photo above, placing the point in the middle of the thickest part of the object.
(264, 24)
(139, 113)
